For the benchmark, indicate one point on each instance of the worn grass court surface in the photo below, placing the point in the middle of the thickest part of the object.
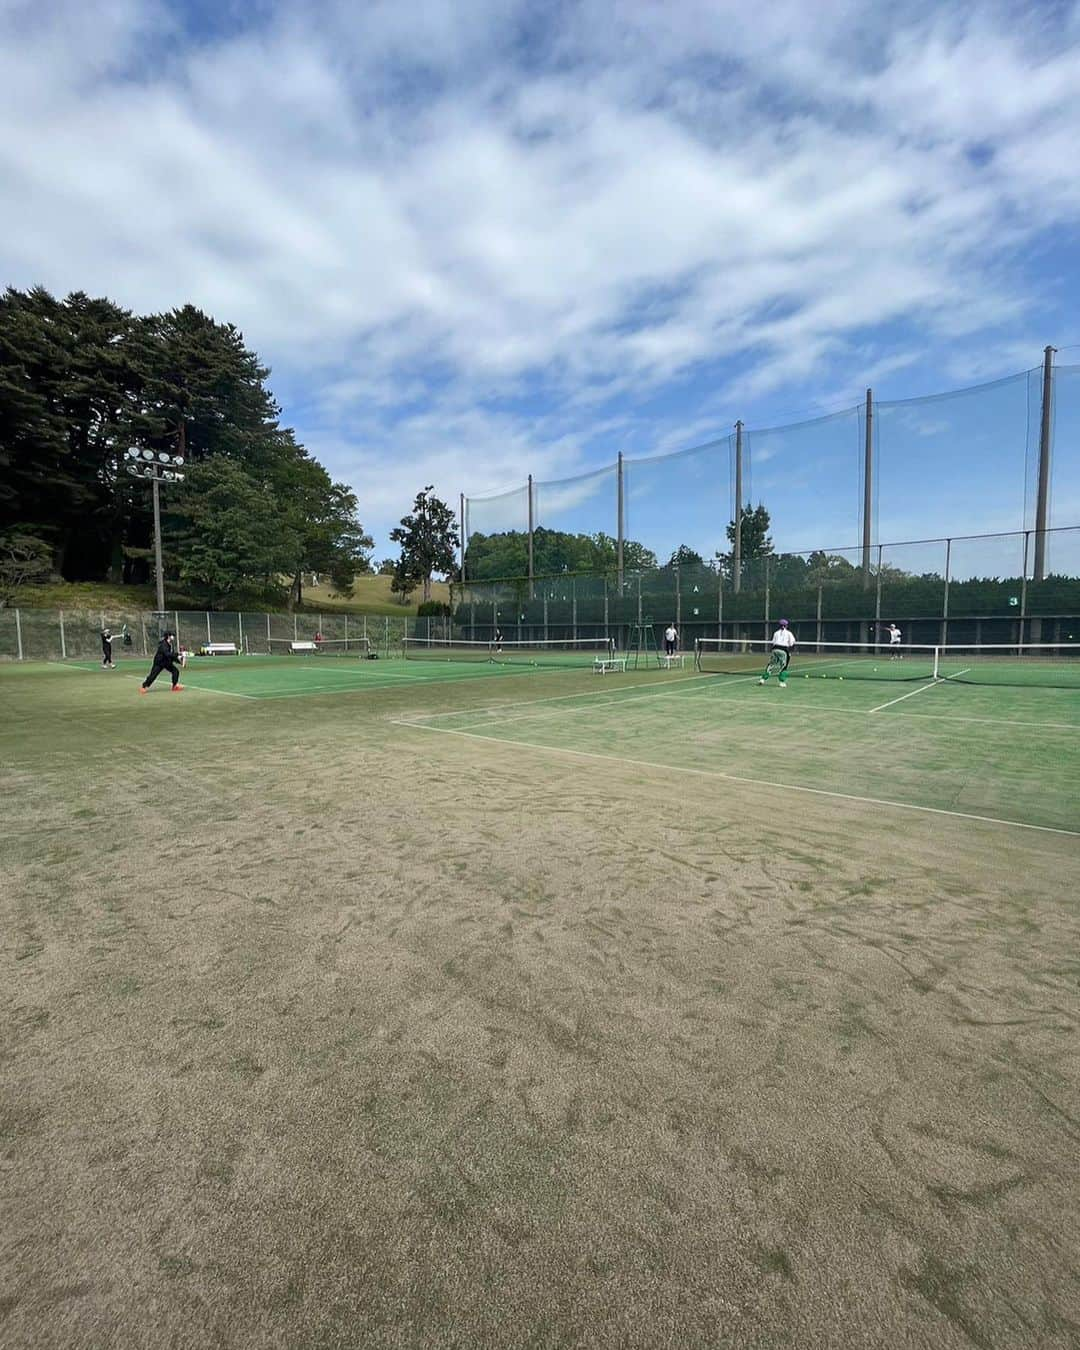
(485, 1009)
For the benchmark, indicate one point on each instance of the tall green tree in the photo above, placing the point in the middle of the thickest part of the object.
(226, 535)
(428, 537)
(755, 542)
(685, 556)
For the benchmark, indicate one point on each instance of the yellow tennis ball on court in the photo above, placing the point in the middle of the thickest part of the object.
(839, 677)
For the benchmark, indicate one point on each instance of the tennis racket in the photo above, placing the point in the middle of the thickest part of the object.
(779, 660)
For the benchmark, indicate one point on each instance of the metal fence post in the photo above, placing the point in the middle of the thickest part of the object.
(240, 625)
(945, 597)
(63, 643)
(1023, 589)
(142, 623)
(18, 634)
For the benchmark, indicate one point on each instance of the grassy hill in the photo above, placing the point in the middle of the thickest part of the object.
(372, 596)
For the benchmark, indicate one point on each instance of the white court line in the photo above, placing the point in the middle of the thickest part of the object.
(604, 703)
(668, 685)
(738, 778)
(202, 689)
(804, 711)
(911, 694)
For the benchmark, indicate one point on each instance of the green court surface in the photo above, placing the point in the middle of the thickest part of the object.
(446, 1004)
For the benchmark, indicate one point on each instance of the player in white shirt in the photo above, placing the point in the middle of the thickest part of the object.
(783, 644)
(671, 638)
(894, 642)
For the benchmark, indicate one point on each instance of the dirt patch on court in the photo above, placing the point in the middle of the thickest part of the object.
(343, 1034)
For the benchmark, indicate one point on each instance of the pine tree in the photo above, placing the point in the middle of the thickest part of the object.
(428, 539)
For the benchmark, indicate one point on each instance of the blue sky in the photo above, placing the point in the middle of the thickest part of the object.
(480, 239)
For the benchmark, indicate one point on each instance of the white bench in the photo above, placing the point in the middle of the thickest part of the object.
(673, 662)
(603, 664)
(303, 646)
(219, 649)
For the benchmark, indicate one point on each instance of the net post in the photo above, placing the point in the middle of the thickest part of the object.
(877, 595)
(639, 597)
(545, 616)
(819, 614)
(678, 597)
(176, 625)
(208, 637)
(868, 486)
(142, 624)
(736, 546)
(63, 642)
(461, 545)
(18, 634)
(295, 633)
(719, 603)
(607, 626)
(268, 632)
(937, 663)
(767, 585)
(1045, 436)
(573, 608)
(240, 625)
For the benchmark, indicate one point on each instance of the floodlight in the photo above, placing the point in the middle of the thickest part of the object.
(164, 456)
(178, 459)
(148, 454)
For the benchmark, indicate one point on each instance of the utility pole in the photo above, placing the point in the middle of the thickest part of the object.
(159, 467)
(868, 487)
(1042, 501)
(736, 549)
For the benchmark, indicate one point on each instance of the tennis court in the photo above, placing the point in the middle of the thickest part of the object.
(446, 1002)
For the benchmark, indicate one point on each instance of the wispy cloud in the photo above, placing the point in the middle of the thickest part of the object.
(477, 241)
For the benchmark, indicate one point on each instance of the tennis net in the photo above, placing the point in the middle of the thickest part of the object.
(1046, 665)
(554, 652)
(354, 647)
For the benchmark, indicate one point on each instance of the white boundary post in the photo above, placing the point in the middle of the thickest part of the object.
(18, 634)
(208, 637)
(240, 625)
(63, 643)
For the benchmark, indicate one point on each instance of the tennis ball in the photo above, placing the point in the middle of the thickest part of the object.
(839, 677)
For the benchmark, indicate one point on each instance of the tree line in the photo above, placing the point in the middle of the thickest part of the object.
(82, 380)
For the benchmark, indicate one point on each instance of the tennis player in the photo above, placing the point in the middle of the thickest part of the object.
(671, 638)
(107, 662)
(895, 636)
(783, 644)
(164, 659)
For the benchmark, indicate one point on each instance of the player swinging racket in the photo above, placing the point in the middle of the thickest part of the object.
(895, 654)
(164, 659)
(783, 644)
(107, 662)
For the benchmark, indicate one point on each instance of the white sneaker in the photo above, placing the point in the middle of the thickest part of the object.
(762, 680)
(782, 684)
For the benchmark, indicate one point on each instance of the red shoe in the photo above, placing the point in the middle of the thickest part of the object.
(143, 689)
(176, 688)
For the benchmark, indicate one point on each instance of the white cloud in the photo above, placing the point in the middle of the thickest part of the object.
(459, 234)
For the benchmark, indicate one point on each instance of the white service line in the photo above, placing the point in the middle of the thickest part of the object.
(738, 778)
(921, 690)
(586, 693)
(603, 703)
(202, 689)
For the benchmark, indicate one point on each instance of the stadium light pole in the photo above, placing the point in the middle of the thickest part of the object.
(159, 467)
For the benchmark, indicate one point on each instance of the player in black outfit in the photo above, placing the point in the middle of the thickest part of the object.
(164, 659)
(106, 649)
